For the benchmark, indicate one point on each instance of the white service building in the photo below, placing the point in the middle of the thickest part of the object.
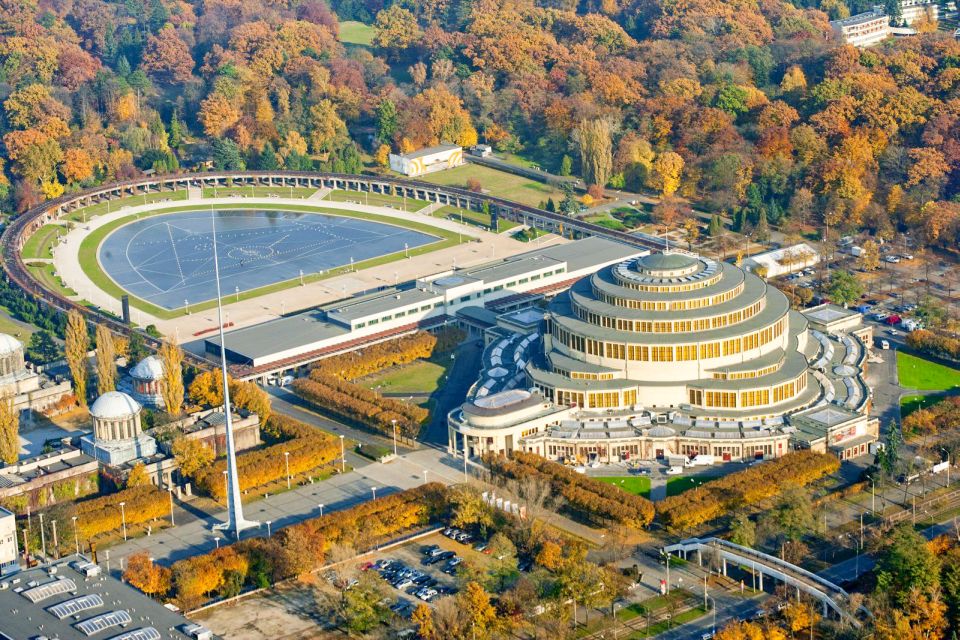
(8, 543)
(428, 160)
(783, 261)
(864, 29)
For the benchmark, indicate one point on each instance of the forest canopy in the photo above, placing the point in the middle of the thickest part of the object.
(753, 108)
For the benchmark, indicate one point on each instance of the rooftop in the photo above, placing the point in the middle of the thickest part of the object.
(70, 599)
(827, 313)
(860, 18)
(428, 151)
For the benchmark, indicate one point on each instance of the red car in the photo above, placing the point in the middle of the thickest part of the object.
(892, 320)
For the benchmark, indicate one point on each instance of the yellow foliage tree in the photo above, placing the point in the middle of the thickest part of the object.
(138, 476)
(9, 429)
(171, 384)
(76, 346)
(106, 361)
(667, 172)
(383, 156)
(191, 455)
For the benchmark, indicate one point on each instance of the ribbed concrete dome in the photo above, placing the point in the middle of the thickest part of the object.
(150, 368)
(656, 262)
(9, 344)
(661, 431)
(113, 405)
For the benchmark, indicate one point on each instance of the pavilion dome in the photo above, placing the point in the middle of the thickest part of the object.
(114, 405)
(9, 344)
(661, 431)
(150, 368)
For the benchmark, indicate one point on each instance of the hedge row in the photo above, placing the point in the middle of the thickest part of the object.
(103, 514)
(934, 344)
(744, 488)
(303, 547)
(308, 447)
(358, 403)
(392, 353)
(582, 493)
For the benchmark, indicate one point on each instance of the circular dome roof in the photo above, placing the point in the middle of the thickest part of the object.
(9, 344)
(150, 368)
(661, 431)
(114, 404)
(657, 262)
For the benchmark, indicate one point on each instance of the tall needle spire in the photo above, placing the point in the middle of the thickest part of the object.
(235, 521)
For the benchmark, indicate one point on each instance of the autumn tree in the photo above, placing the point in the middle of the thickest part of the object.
(106, 361)
(396, 29)
(869, 259)
(76, 347)
(9, 430)
(423, 618)
(191, 455)
(77, 165)
(326, 127)
(138, 476)
(480, 614)
(666, 173)
(595, 141)
(171, 384)
(147, 576)
(167, 57)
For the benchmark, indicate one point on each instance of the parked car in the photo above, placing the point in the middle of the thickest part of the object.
(892, 259)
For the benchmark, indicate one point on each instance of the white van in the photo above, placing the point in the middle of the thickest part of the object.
(674, 471)
(884, 344)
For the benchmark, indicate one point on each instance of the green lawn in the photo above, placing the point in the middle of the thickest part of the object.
(20, 330)
(529, 235)
(606, 220)
(91, 266)
(917, 373)
(258, 192)
(377, 200)
(40, 244)
(352, 32)
(46, 273)
(678, 484)
(422, 376)
(115, 205)
(654, 604)
(474, 218)
(909, 404)
(637, 485)
(660, 627)
(497, 183)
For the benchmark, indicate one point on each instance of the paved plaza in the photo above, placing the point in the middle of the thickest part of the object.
(194, 535)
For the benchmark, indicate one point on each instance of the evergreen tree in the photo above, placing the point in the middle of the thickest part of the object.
(566, 165)
(551, 206)
(177, 128)
(716, 226)
(762, 232)
(387, 120)
(227, 156)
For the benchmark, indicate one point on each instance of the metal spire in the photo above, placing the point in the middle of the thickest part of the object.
(235, 521)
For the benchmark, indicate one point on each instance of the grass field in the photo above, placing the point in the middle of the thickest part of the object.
(474, 218)
(917, 373)
(257, 192)
(529, 234)
(637, 485)
(115, 205)
(20, 330)
(678, 484)
(420, 377)
(91, 244)
(377, 200)
(909, 404)
(40, 244)
(46, 273)
(606, 220)
(497, 183)
(353, 32)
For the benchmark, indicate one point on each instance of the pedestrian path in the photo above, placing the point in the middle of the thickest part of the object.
(320, 193)
(658, 487)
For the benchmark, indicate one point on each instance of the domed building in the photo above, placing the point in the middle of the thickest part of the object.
(29, 389)
(664, 354)
(117, 433)
(147, 377)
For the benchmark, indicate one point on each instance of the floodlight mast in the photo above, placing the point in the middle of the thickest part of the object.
(235, 521)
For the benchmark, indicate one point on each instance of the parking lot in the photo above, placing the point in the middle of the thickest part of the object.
(425, 570)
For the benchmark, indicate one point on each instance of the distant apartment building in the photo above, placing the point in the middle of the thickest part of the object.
(864, 29)
(914, 10)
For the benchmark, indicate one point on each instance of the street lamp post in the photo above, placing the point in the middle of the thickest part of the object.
(425, 476)
(321, 509)
(56, 544)
(394, 422)
(76, 536)
(269, 522)
(374, 490)
(170, 492)
(43, 538)
(123, 518)
(343, 456)
(286, 458)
